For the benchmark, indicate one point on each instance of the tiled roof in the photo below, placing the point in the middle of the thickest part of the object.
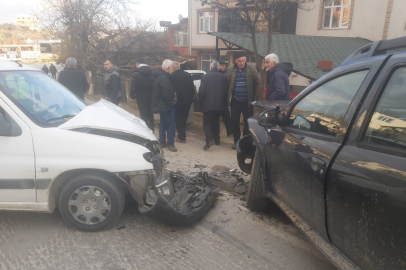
(302, 51)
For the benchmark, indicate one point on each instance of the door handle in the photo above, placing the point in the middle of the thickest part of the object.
(317, 161)
(317, 164)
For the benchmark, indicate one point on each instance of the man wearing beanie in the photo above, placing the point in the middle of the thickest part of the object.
(244, 88)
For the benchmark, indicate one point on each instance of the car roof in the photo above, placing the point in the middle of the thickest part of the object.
(7, 65)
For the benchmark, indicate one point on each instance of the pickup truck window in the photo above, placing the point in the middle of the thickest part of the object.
(324, 108)
(388, 123)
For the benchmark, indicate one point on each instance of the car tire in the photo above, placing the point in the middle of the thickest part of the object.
(91, 202)
(256, 200)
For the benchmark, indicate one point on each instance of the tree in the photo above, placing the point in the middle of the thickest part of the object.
(258, 16)
(94, 30)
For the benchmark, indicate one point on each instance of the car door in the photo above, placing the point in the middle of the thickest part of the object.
(366, 187)
(17, 171)
(298, 153)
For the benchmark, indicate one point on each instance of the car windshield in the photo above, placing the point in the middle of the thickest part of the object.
(42, 99)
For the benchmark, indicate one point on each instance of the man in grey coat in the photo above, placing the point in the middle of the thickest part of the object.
(213, 100)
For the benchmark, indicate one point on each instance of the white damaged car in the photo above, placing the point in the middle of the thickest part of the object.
(57, 152)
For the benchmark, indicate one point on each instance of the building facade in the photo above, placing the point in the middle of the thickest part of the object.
(31, 22)
(368, 19)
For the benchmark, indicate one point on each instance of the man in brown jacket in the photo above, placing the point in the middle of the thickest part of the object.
(244, 88)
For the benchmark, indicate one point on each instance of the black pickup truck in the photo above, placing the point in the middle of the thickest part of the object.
(334, 159)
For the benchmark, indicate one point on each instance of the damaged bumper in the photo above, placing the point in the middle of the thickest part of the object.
(245, 153)
(157, 197)
(183, 207)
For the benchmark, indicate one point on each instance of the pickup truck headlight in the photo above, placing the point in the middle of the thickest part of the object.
(149, 157)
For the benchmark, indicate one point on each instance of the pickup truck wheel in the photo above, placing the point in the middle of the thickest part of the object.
(91, 202)
(256, 200)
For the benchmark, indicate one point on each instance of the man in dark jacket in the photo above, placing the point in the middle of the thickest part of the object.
(112, 82)
(74, 79)
(277, 78)
(53, 71)
(244, 88)
(185, 91)
(225, 115)
(213, 99)
(142, 85)
(45, 69)
(163, 101)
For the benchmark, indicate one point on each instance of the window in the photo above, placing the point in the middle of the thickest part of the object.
(41, 98)
(206, 61)
(206, 21)
(324, 108)
(388, 123)
(181, 38)
(336, 14)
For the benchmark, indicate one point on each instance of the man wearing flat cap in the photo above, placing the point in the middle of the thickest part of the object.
(244, 88)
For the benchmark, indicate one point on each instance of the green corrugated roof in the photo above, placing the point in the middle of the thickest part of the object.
(302, 51)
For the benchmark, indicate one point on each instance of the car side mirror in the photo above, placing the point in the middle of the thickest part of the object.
(5, 128)
(269, 119)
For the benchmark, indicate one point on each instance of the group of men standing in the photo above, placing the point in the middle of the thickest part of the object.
(169, 91)
(237, 87)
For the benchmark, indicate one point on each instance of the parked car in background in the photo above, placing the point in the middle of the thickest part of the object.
(197, 75)
(334, 159)
(57, 152)
(3, 56)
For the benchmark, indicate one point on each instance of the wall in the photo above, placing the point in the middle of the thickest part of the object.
(367, 20)
(397, 24)
(200, 40)
(183, 51)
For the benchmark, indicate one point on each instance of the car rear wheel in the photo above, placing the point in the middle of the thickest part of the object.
(256, 200)
(91, 202)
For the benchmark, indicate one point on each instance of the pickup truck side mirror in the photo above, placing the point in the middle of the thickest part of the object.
(269, 119)
(5, 128)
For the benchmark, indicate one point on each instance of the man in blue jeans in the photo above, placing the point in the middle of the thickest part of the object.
(163, 101)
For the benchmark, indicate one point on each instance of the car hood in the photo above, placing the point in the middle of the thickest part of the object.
(105, 115)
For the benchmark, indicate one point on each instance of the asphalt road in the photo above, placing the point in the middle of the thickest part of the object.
(228, 237)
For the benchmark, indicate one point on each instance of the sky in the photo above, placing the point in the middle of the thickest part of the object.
(161, 10)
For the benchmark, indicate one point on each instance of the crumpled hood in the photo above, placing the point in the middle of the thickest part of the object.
(105, 115)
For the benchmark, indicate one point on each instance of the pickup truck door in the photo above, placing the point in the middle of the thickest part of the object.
(366, 186)
(17, 172)
(298, 154)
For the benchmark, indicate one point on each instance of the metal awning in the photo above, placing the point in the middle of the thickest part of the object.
(302, 51)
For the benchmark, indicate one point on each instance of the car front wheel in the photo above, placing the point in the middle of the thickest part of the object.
(91, 202)
(256, 200)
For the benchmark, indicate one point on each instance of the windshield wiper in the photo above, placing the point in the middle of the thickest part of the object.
(62, 117)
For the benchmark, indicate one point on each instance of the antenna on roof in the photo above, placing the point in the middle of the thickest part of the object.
(180, 17)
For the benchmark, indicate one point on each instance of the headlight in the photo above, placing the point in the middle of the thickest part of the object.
(149, 157)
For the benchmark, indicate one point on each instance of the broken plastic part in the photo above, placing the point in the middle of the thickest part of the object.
(182, 208)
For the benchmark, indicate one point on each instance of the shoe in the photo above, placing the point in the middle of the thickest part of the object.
(180, 141)
(234, 146)
(172, 148)
(163, 144)
(207, 146)
(217, 142)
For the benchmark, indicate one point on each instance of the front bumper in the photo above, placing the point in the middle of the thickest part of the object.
(178, 208)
